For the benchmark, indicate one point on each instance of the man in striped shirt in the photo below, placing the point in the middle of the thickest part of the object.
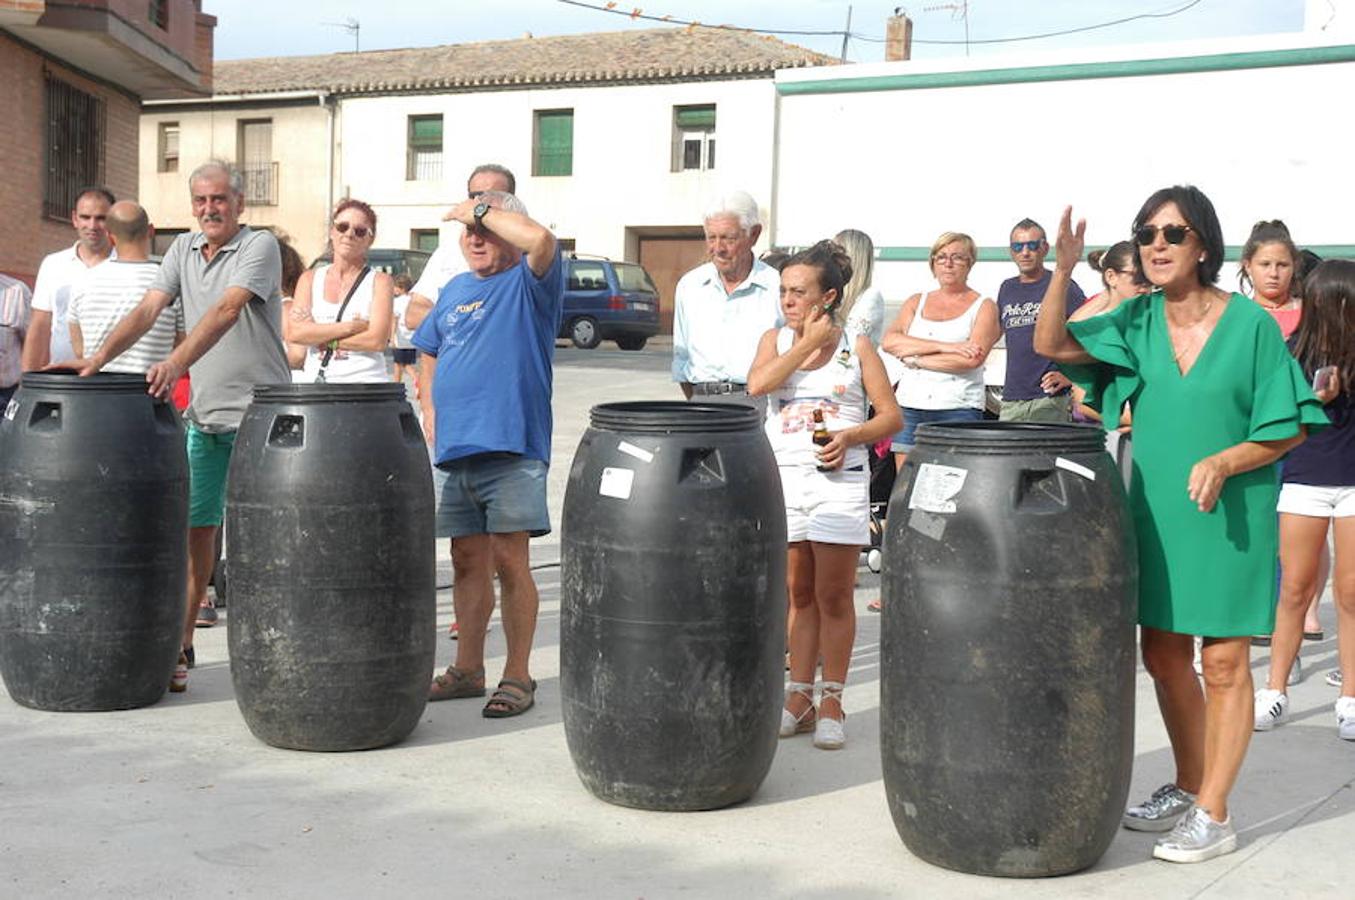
(114, 287)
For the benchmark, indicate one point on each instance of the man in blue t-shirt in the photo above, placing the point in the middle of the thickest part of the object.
(1033, 391)
(485, 364)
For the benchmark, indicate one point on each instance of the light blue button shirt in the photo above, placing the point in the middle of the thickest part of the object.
(715, 334)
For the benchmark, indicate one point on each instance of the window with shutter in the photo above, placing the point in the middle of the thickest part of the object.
(424, 160)
(553, 153)
(693, 137)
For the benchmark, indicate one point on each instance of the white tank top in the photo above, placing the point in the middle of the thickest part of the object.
(345, 366)
(925, 389)
(835, 388)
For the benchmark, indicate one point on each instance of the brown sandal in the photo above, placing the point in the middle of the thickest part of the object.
(510, 698)
(457, 684)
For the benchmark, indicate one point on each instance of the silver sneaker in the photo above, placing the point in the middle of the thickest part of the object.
(1160, 811)
(1295, 672)
(1334, 678)
(1195, 838)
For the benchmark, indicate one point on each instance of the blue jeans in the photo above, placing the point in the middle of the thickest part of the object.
(907, 437)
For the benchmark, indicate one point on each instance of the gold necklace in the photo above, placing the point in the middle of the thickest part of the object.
(1193, 327)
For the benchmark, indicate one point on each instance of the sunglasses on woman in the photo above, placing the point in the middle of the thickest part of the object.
(1174, 234)
(359, 231)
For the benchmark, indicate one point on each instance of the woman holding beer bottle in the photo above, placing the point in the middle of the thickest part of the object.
(817, 380)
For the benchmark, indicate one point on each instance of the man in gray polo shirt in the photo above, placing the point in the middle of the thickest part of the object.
(227, 277)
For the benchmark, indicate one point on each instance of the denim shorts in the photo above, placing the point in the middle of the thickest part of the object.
(491, 493)
(907, 437)
(209, 457)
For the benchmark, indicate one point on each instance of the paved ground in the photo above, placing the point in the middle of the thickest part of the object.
(179, 800)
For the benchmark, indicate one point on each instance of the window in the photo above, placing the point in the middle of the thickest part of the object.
(74, 146)
(633, 278)
(163, 238)
(260, 172)
(586, 275)
(158, 12)
(168, 152)
(423, 239)
(424, 161)
(693, 137)
(553, 142)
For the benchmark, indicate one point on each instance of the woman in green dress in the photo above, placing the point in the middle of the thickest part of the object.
(1216, 400)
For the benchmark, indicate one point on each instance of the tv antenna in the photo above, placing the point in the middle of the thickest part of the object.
(350, 25)
(958, 10)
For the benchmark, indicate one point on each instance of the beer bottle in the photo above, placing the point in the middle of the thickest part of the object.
(821, 436)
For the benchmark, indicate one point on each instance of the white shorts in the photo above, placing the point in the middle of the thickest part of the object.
(1321, 502)
(828, 507)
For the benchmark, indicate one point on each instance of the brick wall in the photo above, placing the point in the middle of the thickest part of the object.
(26, 236)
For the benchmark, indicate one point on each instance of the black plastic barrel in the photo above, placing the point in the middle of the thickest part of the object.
(93, 542)
(330, 550)
(673, 617)
(1007, 648)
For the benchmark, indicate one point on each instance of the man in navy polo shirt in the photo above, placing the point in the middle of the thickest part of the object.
(1033, 391)
(486, 353)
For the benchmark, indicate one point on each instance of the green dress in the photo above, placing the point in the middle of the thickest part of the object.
(1210, 574)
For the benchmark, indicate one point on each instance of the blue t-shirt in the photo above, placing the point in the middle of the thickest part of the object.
(494, 339)
(1018, 304)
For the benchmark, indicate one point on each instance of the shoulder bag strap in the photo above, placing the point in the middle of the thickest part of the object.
(334, 345)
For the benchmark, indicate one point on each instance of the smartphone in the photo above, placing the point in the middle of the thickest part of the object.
(1322, 378)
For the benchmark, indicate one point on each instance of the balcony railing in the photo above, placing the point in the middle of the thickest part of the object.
(261, 183)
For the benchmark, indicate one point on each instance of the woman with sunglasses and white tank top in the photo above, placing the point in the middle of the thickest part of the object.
(350, 350)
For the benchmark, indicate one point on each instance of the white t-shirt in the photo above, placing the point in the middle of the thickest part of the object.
(345, 366)
(403, 332)
(835, 388)
(60, 274)
(446, 263)
(111, 290)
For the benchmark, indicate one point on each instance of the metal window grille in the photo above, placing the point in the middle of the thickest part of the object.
(158, 12)
(554, 150)
(257, 168)
(424, 161)
(75, 145)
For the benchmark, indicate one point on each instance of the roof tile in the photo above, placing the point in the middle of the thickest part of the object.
(657, 54)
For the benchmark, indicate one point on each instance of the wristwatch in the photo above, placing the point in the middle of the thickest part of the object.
(479, 213)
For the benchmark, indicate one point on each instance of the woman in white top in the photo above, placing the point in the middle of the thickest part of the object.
(359, 340)
(863, 306)
(805, 367)
(943, 338)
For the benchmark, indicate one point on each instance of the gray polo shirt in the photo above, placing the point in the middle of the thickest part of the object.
(251, 351)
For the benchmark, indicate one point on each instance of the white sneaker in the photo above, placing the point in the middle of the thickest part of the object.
(1345, 718)
(1272, 708)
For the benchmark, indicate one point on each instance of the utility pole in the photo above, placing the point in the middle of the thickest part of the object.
(846, 35)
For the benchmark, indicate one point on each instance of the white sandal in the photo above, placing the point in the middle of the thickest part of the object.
(792, 725)
(831, 734)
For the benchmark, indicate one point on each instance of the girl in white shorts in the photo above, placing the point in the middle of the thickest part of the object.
(806, 366)
(1318, 492)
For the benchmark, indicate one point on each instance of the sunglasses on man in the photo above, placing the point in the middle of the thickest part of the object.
(359, 231)
(1032, 246)
(1174, 234)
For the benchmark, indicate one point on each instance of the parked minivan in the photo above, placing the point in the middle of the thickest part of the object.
(608, 301)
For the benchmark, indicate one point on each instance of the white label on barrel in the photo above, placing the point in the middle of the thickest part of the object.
(639, 453)
(1075, 468)
(616, 483)
(12, 410)
(935, 487)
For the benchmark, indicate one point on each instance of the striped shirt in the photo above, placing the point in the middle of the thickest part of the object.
(15, 302)
(113, 289)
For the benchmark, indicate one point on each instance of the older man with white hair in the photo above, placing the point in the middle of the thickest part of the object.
(724, 306)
